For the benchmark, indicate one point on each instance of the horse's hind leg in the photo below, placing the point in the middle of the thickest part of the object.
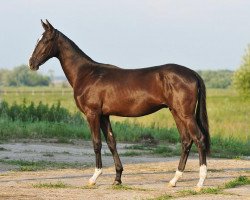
(186, 143)
(198, 138)
(109, 136)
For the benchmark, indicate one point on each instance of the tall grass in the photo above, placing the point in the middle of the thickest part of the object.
(228, 112)
(36, 121)
(42, 112)
(47, 95)
(42, 121)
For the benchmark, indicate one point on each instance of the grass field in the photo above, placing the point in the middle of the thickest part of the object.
(46, 118)
(229, 113)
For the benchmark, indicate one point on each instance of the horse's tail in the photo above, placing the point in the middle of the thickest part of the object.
(201, 113)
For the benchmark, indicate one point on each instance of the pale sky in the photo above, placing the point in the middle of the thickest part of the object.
(200, 34)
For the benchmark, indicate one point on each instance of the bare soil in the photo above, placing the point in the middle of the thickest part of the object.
(144, 177)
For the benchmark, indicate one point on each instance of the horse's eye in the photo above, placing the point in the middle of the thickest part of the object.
(46, 41)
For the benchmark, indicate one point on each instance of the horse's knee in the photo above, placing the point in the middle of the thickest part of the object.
(112, 145)
(112, 148)
(200, 143)
(119, 169)
(186, 145)
(97, 146)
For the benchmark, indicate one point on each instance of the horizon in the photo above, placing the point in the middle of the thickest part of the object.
(207, 35)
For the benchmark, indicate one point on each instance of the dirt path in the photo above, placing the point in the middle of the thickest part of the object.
(144, 177)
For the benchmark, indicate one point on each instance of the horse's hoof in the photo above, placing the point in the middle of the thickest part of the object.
(91, 183)
(170, 184)
(197, 189)
(117, 182)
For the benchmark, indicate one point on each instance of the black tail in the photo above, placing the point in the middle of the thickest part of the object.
(201, 113)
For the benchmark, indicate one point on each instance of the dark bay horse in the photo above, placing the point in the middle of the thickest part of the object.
(101, 90)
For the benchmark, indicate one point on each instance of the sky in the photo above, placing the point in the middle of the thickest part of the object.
(199, 34)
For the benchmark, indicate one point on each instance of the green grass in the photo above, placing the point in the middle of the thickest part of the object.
(48, 95)
(209, 190)
(167, 151)
(228, 114)
(163, 197)
(3, 149)
(228, 111)
(56, 185)
(65, 132)
(126, 187)
(48, 154)
(60, 184)
(239, 181)
(42, 165)
(221, 148)
(130, 153)
(229, 147)
(139, 147)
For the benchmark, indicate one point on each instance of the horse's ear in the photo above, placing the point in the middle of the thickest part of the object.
(45, 26)
(50, 27)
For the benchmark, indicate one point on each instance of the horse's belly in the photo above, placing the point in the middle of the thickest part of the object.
(132, 109)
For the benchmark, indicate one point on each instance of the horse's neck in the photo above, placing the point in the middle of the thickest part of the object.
(72, 59)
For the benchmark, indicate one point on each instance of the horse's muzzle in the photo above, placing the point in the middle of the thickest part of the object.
(33, 64)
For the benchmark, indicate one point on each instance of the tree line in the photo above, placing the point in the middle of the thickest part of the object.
(23, 76)
(240, 79)
(217, 78)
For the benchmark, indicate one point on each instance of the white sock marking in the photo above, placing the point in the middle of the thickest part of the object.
(178, 175)
(203, 174)
(97, 173)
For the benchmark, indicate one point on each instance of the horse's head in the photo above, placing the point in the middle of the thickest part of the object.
(45, 48)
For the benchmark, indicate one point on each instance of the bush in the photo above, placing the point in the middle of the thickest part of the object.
(241, 79)
(41, 112)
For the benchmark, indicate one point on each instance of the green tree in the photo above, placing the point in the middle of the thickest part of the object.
(22, 76)
(217, 79)
(241, 78)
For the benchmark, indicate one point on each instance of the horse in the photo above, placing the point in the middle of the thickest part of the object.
(101, 90)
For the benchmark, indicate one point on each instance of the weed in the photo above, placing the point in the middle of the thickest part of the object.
(51, 185)
(107, 153)
(139, 147)
(211, 190)
(126, 187)
(131, 153)
(41, 165)
(3, 149)
(166, 150)
(241, 180)
(187, 192)
(65, 152)
(163, 197)
(48, 154)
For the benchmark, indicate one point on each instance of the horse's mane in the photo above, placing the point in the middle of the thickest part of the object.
(76, 48)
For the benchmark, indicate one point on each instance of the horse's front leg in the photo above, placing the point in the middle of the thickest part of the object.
(94, 124)
(110, 139)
